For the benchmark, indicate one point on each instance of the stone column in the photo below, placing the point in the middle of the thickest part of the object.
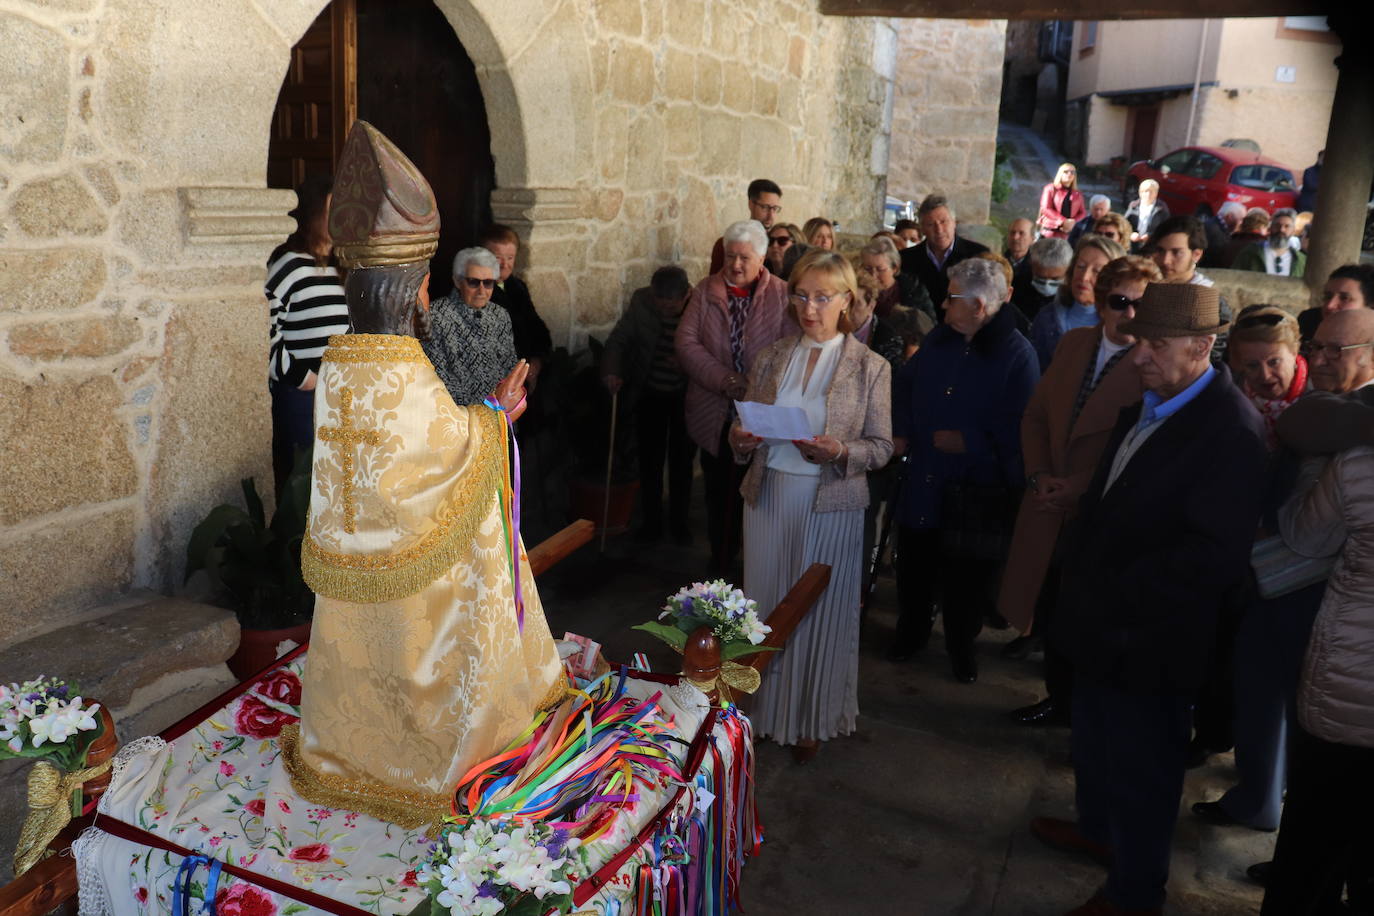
(1348, 167)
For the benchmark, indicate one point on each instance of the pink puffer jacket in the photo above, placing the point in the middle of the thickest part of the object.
(703, 347)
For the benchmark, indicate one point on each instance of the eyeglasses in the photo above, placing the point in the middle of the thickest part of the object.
(474, 283)
(1120, 303)
(1269, 319)
(1331, 352)
(819, 302)
(875, 269)
(769, 208)
(780, 240)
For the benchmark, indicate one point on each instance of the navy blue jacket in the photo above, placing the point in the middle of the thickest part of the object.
(978, 387)
(1150, 562)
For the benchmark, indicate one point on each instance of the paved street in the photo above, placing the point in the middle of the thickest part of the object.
(924, 809)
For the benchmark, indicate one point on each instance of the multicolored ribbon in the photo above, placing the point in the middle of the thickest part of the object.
(510, 510)
(576, 763)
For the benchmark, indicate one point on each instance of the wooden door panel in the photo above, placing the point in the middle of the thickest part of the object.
(318, 99)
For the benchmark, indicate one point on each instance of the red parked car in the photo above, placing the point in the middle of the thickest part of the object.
(1213, 175)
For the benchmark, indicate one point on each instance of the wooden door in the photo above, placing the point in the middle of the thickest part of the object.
(417, 85)
(318, 100)
(1141, 142)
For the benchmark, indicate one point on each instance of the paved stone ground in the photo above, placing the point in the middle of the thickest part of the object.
(924, 809)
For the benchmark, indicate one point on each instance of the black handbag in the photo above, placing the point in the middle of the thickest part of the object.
(976, 520)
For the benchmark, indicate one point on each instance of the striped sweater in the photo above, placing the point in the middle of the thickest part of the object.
(307, 306)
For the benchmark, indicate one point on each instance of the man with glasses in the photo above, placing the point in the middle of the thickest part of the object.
(765, 203)
(1164, 532)
(1340, 363)
(470, 344)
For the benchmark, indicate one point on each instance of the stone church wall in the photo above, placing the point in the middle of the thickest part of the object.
(134, 224)
(944, 126)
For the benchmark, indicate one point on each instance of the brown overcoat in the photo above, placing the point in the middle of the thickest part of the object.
(1049, 446)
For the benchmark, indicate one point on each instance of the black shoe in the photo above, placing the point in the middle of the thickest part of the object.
(1214, 814)
(965, 667)
(1259, 872)
(995, 621)
(1049, 713)
(1023, 647)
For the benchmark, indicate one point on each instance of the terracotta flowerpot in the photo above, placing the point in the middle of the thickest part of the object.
(587, 499)
(258, 648)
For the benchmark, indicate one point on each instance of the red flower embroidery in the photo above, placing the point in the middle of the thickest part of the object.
(226, 769)
(257, 807)
(314, 852)
(255, 719)
(243, 899)
(141, 895)
(284, 806)
(409, 879)
(281, 685)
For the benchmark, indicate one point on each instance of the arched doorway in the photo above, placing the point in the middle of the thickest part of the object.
(399, 65)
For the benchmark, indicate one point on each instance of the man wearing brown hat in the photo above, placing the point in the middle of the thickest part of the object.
(1164, 531)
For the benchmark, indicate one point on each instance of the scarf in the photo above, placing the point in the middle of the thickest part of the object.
(1271, 408)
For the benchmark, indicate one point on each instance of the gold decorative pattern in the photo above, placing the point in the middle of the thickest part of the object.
(409, 810)
(377, 253)
(369, 579)
(373, 348)
(345, 435)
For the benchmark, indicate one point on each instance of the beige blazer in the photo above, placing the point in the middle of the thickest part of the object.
(858, 412)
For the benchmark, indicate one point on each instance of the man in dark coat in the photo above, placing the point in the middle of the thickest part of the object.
(1164, 532)
(931, 260)
(533, 342)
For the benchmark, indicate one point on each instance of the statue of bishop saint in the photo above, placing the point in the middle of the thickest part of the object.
(426, 657)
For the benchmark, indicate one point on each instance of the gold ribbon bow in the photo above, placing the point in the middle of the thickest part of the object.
(50, 809)
(732, 674)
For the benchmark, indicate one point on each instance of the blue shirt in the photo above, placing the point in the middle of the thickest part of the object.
(1156, 409)
(939, 262)
(1051, 323)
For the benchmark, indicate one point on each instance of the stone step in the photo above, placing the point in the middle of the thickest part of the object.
(150, 662)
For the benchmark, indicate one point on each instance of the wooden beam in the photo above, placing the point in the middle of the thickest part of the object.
(50, 883)
(560, 545)
(789, 613)
(1075, 9)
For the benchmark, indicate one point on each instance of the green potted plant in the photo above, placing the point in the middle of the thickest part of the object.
(255, 566)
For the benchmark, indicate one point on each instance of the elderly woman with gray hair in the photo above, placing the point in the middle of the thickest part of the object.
(470, 344)
(957, 414)
(730, 318)
(881, 261)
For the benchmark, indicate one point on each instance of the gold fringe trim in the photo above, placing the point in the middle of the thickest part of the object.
(374, 578)
(373, 348)
(410, 810)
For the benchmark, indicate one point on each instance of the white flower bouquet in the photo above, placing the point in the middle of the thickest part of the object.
(43, 719)
(511, 867)
(732, 618)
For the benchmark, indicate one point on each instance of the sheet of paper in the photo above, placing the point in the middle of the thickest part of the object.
(774, 423)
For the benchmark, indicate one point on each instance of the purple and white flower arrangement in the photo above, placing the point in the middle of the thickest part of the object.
(717, 605)
(507, 866)
(43, 718)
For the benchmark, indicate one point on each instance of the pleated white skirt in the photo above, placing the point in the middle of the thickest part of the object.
(811, 689)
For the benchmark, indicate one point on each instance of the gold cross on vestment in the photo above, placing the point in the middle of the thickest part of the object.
(346, 436)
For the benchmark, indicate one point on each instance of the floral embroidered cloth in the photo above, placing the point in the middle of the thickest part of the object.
(220, 790)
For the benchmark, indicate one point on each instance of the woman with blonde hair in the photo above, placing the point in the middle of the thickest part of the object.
(820, 233)
(1061, 203)
(805, 500)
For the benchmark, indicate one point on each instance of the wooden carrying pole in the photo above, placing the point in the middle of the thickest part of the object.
(610, 457)
(790, 611)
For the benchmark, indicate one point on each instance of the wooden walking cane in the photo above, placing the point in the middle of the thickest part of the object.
(610, 457)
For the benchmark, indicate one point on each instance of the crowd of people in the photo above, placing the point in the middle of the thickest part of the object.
(1075, 436)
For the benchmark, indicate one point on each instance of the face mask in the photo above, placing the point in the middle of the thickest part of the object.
(1046, 287)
